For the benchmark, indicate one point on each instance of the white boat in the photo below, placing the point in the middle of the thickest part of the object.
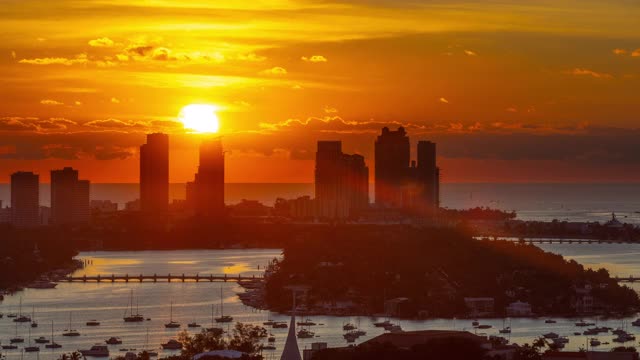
(96, 351)
(223, 318)
(172, 345)
(171, 324)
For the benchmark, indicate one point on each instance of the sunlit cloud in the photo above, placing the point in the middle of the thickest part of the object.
(314, 59)
(115, 124)
(50, 102)
(101, 42)
(443, 100)
(470, 53)
(620, 51)
(115, 100)
(79, 59)
(587, 72)
(276, 71)
(636, 53)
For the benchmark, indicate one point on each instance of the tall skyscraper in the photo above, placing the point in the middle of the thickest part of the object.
(205, 195)
(25, 199)
(392, 157)
(341, 181)
(402, 183)
(69, 198)
(154, 174)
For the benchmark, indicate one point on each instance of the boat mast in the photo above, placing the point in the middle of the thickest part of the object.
(221, 303)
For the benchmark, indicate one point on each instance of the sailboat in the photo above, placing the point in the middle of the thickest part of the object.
(31, 348)
(505, 330)
(151, 353)
(16, 339)
(34, 324)
(213, 328)
(21, 317)
(172, 324)
(223, 318)
(53, 344)
(70, 331)
(132, 317)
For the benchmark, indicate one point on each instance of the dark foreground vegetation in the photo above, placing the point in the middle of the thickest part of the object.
(25, 255)
(435, 269)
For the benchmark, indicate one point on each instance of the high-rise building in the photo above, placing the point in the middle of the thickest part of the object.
(154, 174)
(69, 198)
(341, 181)
(392, 157)
(25, 199)
(402, 183)
(205, 195)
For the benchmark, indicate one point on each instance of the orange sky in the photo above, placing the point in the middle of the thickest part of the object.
(510, 90)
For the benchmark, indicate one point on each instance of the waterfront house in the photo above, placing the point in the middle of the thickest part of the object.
(519, 308)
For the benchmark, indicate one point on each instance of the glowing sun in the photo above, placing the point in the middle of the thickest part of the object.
(200, 118)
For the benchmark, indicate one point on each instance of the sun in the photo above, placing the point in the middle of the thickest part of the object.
(200, 118)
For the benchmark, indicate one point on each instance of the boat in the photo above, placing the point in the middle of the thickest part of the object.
(271, 339)
(594, 342)
(484, 326)
(113, 341)
(350, 337)
(583, 323)
(305, 334)
(577, 333)
(193, 325)
(42, 340)
(506, 330)
(550, 335)
(172, 345)
(280, 325)
(306, 322)
(223, 318)
(34, 324)
(151, 353)
(382, 323)
(53, 344)
(12, 315)
(475, 323)
(171, 324)
(132, 317)
(268, 347)
(9, 347)
(31, 348)
(395, 329)
(41, 284)
(348, 327)
(636, 322)
(549, 321)
(96, 351)
(21, 318)
(93, 323)
(16, 339)
(70, 331)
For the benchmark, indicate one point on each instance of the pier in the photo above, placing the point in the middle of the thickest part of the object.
(168, 278)
(556, 240)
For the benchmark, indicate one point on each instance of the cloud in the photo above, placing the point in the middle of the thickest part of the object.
(162, 54)
(636, 53)
(275, 71)
(13, 54)
(251, 57)
(314, 59)
(587, 72)
(443, 100)
(470, 53)
(620, 51)
(77, 103)
(50, 102)
(15, 124)
(330, 110)
(79, 59)
(101, 42)
(511, 109)
(140, 50)
(115, 100)
(115, 124)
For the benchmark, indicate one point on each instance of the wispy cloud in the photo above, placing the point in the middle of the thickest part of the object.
(276, 71)
(101, 42)
(588, 72)
(50, 102)
(79, 59)
(314, 59)
(443, 100)
(470, 53)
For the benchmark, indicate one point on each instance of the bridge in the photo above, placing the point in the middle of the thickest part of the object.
(556, 240)
(168, 278)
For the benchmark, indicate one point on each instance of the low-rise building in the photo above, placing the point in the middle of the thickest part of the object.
(480, 306)
(519, 308)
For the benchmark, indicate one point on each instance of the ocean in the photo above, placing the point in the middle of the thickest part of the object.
(571, 202)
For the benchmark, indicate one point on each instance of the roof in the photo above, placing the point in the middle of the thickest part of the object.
(230, 354)
(407, 339)
(291, 351)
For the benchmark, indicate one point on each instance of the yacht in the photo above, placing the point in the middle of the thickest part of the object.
(171, 324)
(42, 340)
(383, 324)
(350, 337)
(172, 345)
(223, 318)
(93, 323)
(96, 351)
(348, 327)
(193, 325)
(70, 331)
(53, 344)
(16, 339)
(549, 321)
(306, 322)
(31, 348)
(583, 323)
(484, 326)
(280, 325)
(475, 323)
(594, 342)
(550, 335)
(305, 334)
(21, 318)
(636, 322)
(132, 317)
(113, 341)
(271, 339)
(506, 330)
(9, 347)
(268, 347)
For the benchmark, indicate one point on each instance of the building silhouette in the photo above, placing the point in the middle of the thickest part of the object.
(402, 183)
(341, 182)
(205, 195)
(392, 156)
(154, 174)
(25, 199)
(69, 198)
